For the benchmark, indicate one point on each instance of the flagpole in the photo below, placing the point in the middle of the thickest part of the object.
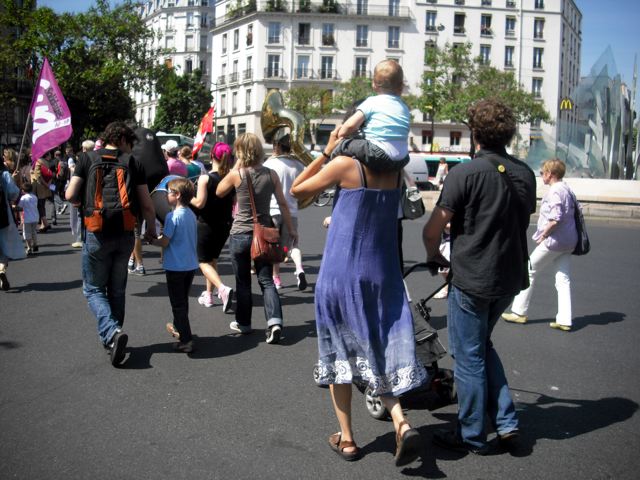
(24, 134)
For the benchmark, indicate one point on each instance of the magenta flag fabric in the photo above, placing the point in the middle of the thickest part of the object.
(50, 114)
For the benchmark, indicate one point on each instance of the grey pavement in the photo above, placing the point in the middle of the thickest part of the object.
(239, 408)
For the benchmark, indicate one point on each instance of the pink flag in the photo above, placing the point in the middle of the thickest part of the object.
(51, 116)
(206, 126)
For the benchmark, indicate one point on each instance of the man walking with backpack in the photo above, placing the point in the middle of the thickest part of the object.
(111, 188)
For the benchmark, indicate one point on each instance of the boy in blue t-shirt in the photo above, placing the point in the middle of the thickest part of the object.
(180, 258)
(384, 119)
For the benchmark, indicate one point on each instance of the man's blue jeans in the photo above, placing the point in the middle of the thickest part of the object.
(479, 375)
(104, 277)
(240, 250)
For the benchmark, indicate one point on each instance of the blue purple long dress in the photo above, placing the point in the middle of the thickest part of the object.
(363, 319)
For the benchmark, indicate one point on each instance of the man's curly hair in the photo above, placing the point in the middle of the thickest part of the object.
(117, 131)
(492, 123)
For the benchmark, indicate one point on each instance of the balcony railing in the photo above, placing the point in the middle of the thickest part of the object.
(247, 74)
(303, 74)
(233, 77)
(361, 73)
(274, 73)
(459, 30)
(222, 80)
(328, 7)
(326, 74)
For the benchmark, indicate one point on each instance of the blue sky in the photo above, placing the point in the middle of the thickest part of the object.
(604, 22)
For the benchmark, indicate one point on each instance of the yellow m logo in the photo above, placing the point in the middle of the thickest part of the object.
(566, 104)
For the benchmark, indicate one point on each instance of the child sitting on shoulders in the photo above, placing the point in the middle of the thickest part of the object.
(179, 259)
(30, 218)
(384, 120)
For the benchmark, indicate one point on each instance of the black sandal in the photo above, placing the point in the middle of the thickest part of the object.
(338, 446)
(409, 446)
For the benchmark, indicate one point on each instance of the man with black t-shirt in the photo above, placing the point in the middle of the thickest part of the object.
(105, 253)
(488, 202)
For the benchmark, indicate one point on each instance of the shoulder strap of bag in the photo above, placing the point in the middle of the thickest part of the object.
(251, 198)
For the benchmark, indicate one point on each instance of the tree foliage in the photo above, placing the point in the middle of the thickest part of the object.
(454, 80)
(97, 56)
(312, 102)
(354, 90)
(184, 100)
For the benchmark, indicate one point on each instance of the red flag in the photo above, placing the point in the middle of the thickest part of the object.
(206, 126)
(50, 113)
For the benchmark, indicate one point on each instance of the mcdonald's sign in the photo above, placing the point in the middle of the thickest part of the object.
(566, 104)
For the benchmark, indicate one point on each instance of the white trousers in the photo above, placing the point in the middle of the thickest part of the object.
(74, 220)
(540, 258)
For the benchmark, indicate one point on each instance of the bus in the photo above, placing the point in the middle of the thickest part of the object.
(422, 167)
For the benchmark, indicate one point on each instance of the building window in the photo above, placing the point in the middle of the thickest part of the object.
(234, 103)
(242, 128)
(223, 104)
(169, 22)
(328, 34)
(302, 70)
(274, 33)
(236, 39)
(485, 54)
(361, 67)
(203, 67)
(486, 3)
(362, 35)
(188, 66)
(248, 73)
(326, 69)
(537, 57)
(168, 40)
(427, 137)
(362, 7)
(430, 21)
(393, 37)
(273, 66)
(536, 87)
(394, 8)
(458, 23)
(430, 51)
(203, 43)
(204, 20)
(224, 43)
(485, 25)
(304, 34)
(189, 43)
(249, 35)
(510, 27)
(538, 28)
(247, 100)
(454, 138)
(539, 4)
(189, 19)
(508, 56)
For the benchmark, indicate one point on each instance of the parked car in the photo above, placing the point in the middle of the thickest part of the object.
(422, 167)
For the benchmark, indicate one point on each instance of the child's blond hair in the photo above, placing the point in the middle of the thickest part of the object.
(388, 77)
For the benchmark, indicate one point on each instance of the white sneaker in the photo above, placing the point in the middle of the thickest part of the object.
(205, 299)
(225, 294)
(273, 334)
(236, 327)
(302, 280)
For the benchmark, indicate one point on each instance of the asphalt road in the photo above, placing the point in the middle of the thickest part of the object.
(240, 409)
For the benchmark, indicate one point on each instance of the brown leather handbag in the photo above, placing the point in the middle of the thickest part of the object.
(265, 246)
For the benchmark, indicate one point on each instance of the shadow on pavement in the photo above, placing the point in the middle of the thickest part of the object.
(52, 287)
(578, 323)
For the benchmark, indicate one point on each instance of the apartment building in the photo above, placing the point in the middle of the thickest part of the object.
(257, 45)
(184, 28)
(538, 40)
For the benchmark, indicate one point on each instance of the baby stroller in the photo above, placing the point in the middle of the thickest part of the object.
(440, 389)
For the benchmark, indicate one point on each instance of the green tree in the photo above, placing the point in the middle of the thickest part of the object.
(454, 80)
(312, 102)
(351, 91)
(184, 99)
(97, 56)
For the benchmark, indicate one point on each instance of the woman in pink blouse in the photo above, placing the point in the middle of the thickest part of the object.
(556, 237)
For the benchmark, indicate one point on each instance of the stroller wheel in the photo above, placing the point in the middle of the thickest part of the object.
(374, 405)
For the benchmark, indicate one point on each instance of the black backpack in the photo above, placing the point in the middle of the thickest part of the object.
(109, 197)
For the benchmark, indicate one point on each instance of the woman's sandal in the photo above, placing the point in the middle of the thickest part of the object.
(409, 445)
(172, 331)
(338, 446)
